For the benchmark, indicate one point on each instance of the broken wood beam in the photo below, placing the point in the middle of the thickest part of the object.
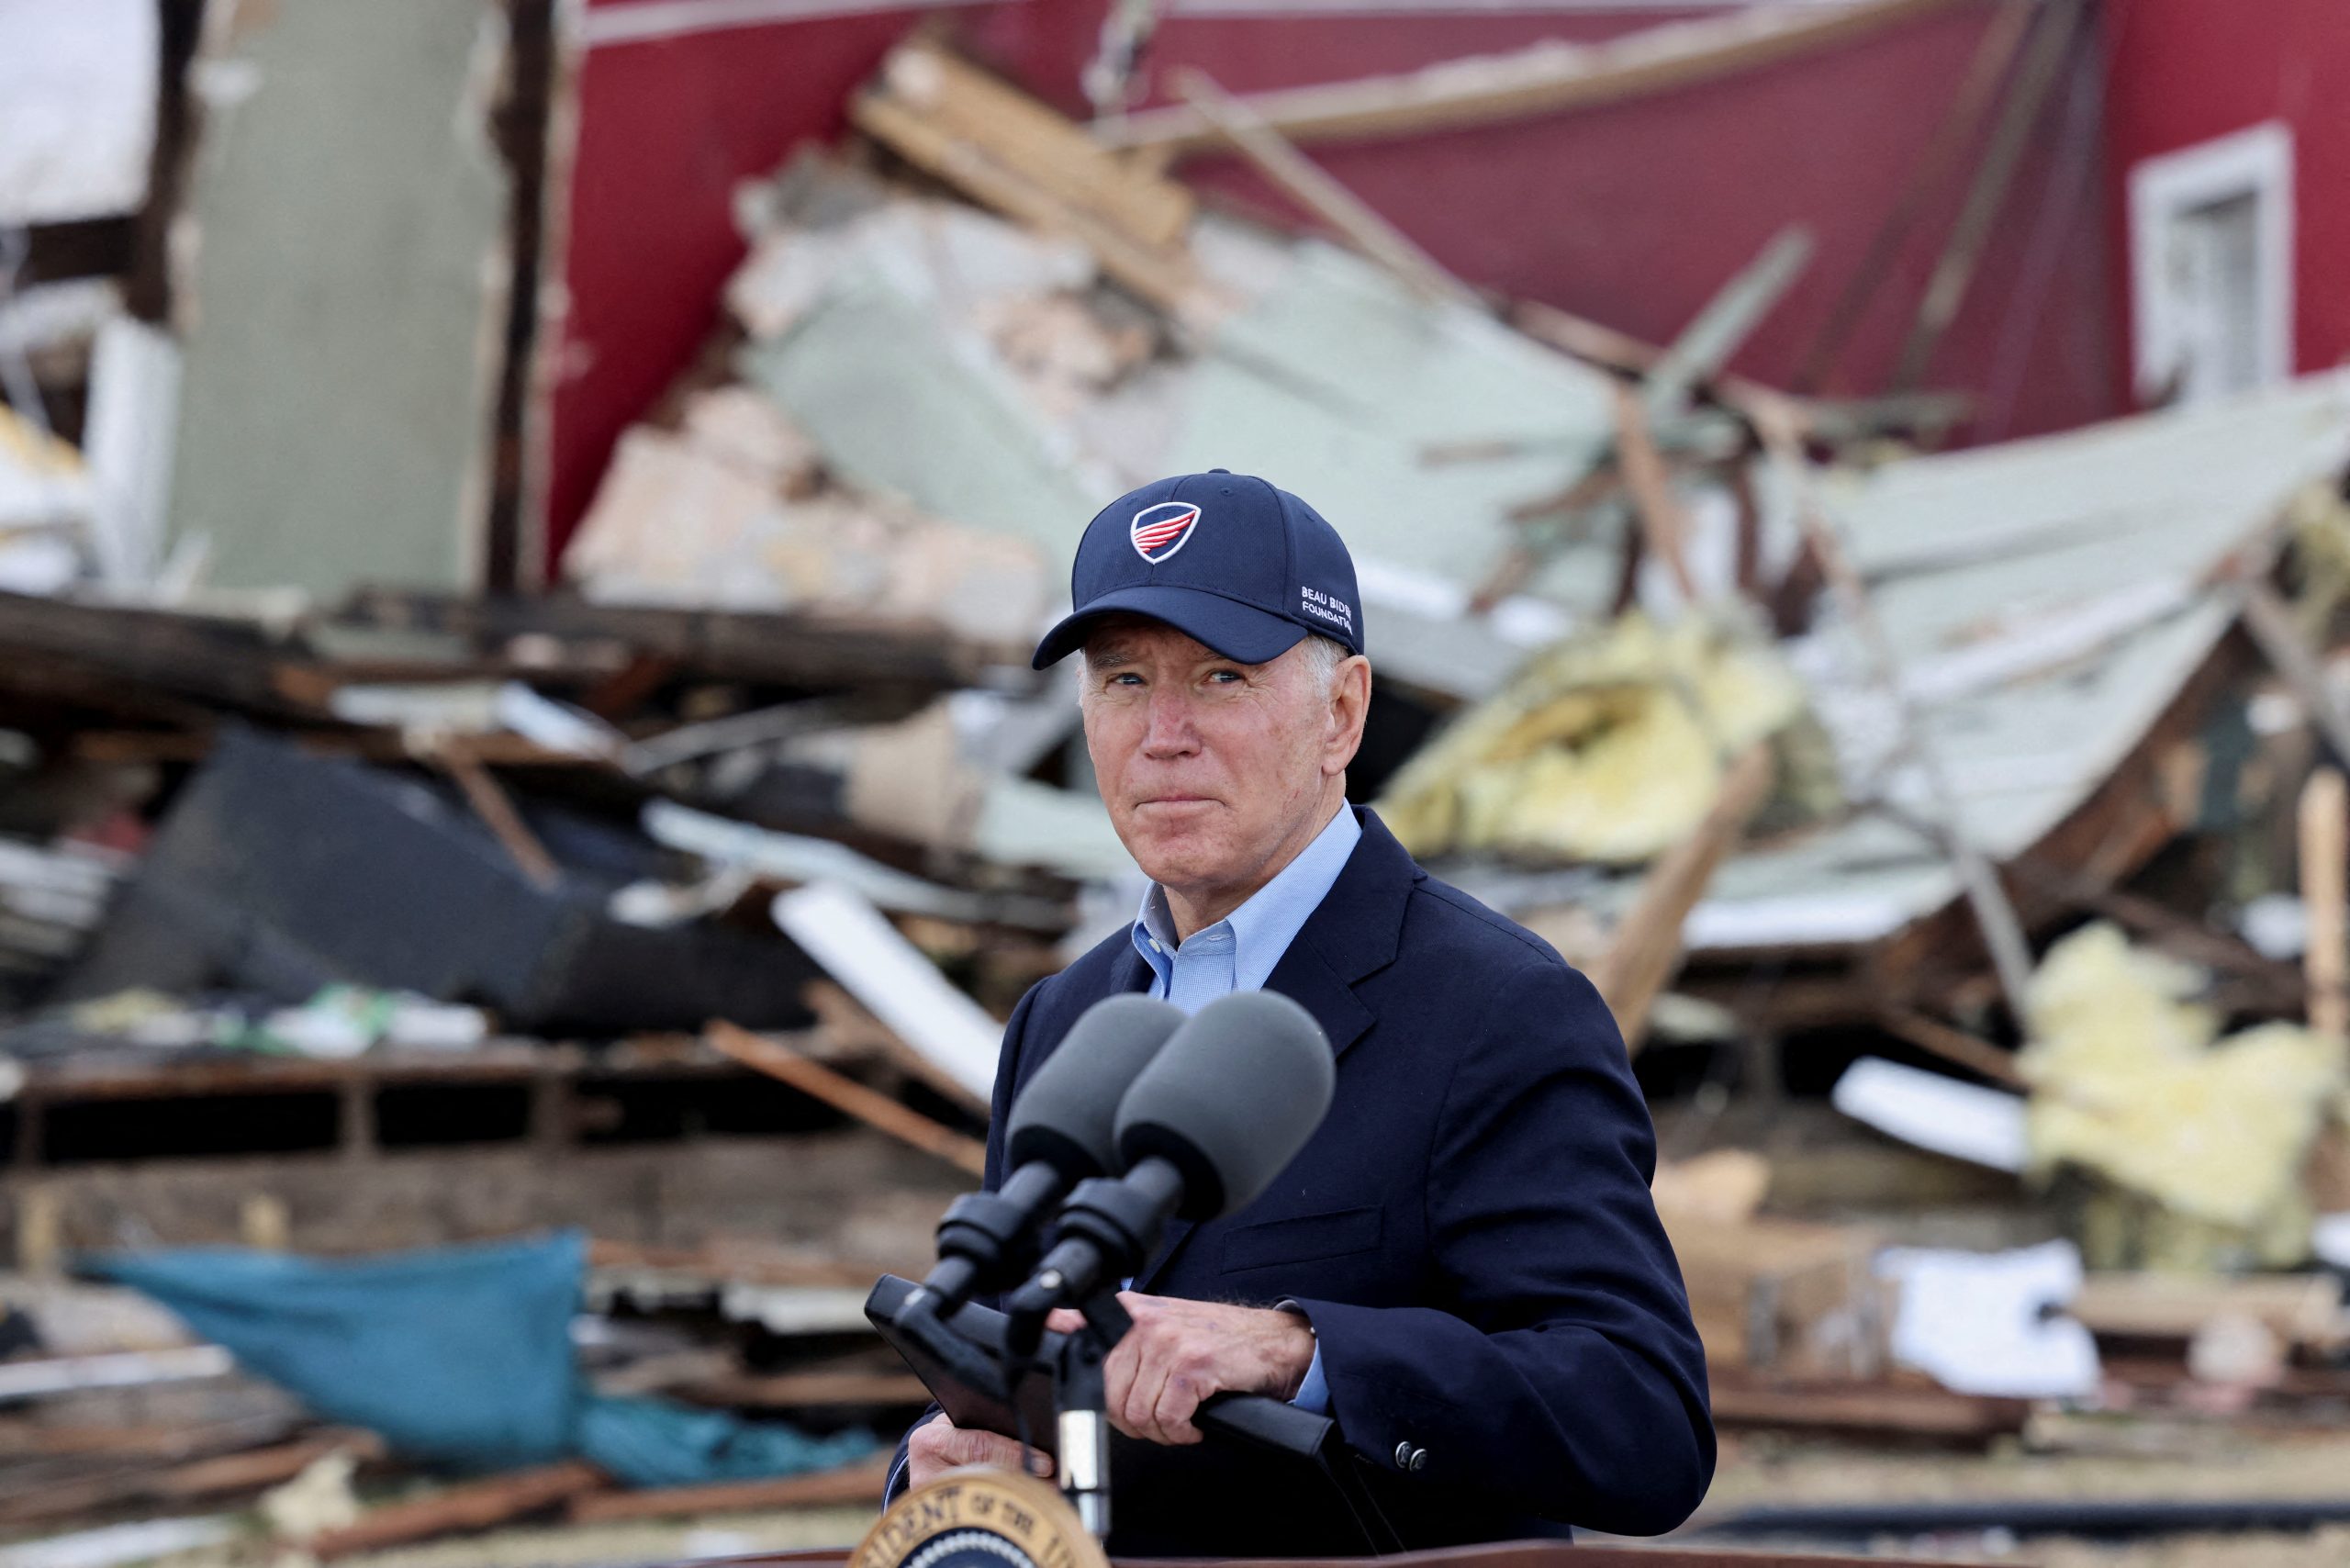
(1953, 273)
(876, 1110)
(799, 1391)
(1646, 949)
(496, 808)
(852, 1025)
(1544, 79)
(1954, 1045)
(220, 1476)
(473, 1505)
(1953, 135)
(1661, 528)
(1872, 1412)
(850, 1485)
(1311, 188)
(2325, 956)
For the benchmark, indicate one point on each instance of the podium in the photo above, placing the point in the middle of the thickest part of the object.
(1500, 1554)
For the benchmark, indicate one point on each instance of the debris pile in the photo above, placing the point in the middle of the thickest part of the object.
(682, 906)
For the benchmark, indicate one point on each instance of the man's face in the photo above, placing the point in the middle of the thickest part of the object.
(1210, 767)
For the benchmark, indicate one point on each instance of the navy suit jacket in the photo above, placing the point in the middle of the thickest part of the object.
(1470, 1230)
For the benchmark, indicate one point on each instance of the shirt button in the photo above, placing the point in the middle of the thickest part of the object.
(1155, 947)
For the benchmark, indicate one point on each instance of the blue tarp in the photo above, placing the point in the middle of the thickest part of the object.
(459, 1356)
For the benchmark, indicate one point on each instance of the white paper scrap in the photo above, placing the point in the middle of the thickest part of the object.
(1985, 1323)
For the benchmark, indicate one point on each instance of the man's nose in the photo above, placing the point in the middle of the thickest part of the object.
(1170, 732)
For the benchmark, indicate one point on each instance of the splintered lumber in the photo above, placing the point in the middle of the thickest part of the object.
(1955, 271)
(1798, 1298)
(1313, 188)
(495, 807)
(221, 1475)
(1953, 136)
(2300, 1309)
(1954, 1045)
(2324, 803)
(799, 1391)
(1874, 1412)
(1646, 947)
(851, 1484)
(475, 1506)
(845, 1094)
(1011, 153)
(1654, 502)
(967, 104)
(1544, 79)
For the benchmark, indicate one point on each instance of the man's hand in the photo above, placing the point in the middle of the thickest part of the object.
(1182, 1351)
(938, 1445)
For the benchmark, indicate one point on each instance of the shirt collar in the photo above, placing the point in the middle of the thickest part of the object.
(1264, 926)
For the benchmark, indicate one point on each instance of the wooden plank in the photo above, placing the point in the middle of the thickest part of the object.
(2324, 804)
(1645, 947)
(862, 652)
(1953, 135)
(475, 1506)
(218, 1477)
(496, 808)
(1663, 527)
(967, 103)
(1955, 271)
(1311, 188)
(876, 1110)
(1954, 1045)
(1868, 1412)
(1165, 277)
(2300, 1309)
(798, 1390)
(734, 1265)
(1544, 79)
(850, 1485)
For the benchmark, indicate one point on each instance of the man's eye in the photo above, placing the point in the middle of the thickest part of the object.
(1126, 679)
(1226, 677)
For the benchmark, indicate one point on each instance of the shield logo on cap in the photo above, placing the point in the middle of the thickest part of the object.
(1160, 531)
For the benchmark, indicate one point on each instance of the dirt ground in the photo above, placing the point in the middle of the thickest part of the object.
(2186, 1462)
(2178, 1464)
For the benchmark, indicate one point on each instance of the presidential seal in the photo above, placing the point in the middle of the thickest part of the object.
(979, 1518)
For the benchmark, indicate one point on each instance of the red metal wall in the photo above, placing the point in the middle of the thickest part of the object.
(1632, 214)
(2187, 70)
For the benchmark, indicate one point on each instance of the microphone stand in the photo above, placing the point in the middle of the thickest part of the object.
(1081, 1408)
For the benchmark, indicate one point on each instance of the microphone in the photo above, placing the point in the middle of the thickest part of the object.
(1061, 1130)
(1206, 1127)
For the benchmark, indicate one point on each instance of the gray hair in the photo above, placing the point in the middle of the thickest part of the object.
(1323, 658)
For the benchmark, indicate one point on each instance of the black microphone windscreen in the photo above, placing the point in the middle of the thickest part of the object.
(1066, 1113)
(1231, 1100)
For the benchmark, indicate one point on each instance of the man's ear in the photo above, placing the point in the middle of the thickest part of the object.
(1350, 705)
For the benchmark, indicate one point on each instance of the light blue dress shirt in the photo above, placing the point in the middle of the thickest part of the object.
(1239, 953)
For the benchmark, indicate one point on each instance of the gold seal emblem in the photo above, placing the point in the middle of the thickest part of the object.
(979, 1516)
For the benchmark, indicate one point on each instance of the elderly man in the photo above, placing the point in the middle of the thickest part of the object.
(1463, 1267)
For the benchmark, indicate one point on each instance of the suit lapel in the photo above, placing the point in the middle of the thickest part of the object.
(1353, 933)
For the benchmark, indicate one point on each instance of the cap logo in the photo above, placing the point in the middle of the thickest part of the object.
(1160, 531)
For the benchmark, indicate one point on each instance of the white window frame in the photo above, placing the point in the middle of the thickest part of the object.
(2257, 161)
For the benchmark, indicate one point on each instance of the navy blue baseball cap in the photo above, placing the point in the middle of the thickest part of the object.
(1226, 558)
